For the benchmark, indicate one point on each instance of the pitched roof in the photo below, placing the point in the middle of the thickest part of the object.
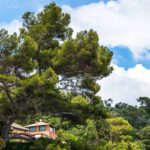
(17, 126)
(37, 124)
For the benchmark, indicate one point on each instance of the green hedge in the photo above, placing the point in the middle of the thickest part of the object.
(18, 146)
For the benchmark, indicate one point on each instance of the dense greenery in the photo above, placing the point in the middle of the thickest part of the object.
(47, 73)
(44, 68)
(137, 116)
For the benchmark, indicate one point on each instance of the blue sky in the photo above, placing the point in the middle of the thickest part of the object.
(11, 9)
(124, 58)
(122, 27)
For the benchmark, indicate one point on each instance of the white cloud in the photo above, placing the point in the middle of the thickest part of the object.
(12, 27)
(126, 85)
(121, 22)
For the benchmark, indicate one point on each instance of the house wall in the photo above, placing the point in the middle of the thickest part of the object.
(46, 132)
(18, 131)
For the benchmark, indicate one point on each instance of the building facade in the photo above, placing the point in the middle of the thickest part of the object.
(37, 130)
(18, 129)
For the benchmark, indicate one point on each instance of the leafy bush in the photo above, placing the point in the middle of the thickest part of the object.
(54, 147)
(82, 145)
(18, 146)
(123, 146)
(145, 137)
(41, 144)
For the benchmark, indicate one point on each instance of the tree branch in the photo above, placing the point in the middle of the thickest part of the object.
(62, 113)
(8, 94)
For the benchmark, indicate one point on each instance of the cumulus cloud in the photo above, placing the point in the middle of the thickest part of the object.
(12, 27)
(119, 23)
(126, 85)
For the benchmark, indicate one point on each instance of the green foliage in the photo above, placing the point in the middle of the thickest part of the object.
(91, 134)
(43, 65)
(137, 116)
(145, 102)
(145, 136)
(46, 71)
(54, 147)
(66, 136)
(82, 61)
(120, 129)
(82, 145)
(18, 146)
(85, 58)
(40, 144)
(122, 146)
(79, 100)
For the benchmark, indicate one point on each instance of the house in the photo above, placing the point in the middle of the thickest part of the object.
(37, 130)
(18, 129)
(41, 129)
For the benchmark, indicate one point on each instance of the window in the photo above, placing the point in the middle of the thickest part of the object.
(32, 129)
(42, 128)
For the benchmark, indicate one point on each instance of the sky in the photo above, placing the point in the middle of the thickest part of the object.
(123, 26)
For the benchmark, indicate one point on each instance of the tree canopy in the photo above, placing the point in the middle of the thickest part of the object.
(44, 67)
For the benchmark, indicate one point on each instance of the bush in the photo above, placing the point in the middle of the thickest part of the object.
(54, 147)
(81, 145)
(41, 144)
(122, 146)
(18, 146)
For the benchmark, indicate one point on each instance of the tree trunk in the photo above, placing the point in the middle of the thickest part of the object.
(5, 127)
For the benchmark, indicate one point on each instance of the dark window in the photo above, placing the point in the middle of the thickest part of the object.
(32, 129)
(42, 128)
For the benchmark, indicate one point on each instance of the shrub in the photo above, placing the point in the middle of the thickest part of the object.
(41, 144)
(18, 146)
(54, 147)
